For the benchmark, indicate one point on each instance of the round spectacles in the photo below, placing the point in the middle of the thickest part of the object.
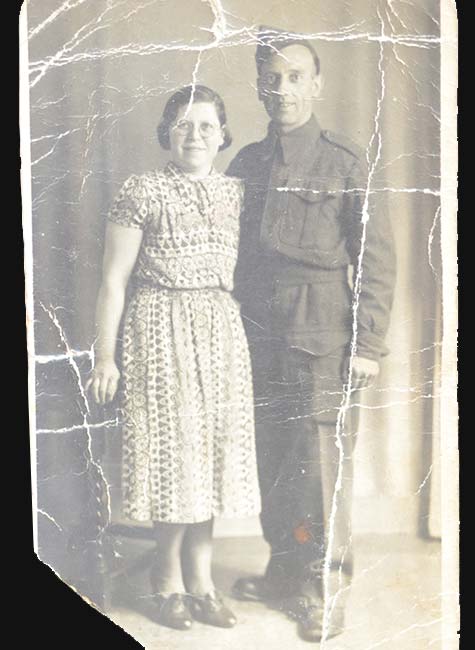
(205, 129)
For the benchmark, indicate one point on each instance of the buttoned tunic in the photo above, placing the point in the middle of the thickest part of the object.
(315, 278)
(310, 214)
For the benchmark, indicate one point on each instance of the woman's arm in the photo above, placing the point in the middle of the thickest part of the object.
(122, 246)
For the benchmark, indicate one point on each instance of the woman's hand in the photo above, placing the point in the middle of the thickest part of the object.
(103, 381)
(121, 250)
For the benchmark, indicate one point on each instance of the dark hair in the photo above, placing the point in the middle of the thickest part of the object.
(182, 97)
(272, 40)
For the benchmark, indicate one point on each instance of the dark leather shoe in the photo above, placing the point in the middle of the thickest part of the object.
(255, 588)
(173, 611)
(259, 588)
(309, 613)
(211, 610)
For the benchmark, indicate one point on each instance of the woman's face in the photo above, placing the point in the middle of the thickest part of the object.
(195, 137)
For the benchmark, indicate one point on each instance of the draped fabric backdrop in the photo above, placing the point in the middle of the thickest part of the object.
(101, 72)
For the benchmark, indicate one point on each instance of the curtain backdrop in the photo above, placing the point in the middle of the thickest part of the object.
(101, 72)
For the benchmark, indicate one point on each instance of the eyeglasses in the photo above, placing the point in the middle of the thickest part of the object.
(205, 129)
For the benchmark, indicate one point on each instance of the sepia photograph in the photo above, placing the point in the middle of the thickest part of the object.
(240, 257)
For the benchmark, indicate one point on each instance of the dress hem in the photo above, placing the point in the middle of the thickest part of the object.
(221, 515)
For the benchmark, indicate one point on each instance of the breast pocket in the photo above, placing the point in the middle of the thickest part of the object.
(312, 219)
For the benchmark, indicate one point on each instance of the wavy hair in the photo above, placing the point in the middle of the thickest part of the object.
(182, 97)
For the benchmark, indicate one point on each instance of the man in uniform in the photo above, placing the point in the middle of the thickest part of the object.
(315, 279)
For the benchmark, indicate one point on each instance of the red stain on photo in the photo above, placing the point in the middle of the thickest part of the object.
(302, 534)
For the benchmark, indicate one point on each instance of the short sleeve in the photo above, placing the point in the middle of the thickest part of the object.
(240, 190)
(131, 206)
(235, 190)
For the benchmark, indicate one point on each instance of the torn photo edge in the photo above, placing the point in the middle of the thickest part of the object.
(448, 389)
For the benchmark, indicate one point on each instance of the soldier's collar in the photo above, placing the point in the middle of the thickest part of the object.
(295, 143)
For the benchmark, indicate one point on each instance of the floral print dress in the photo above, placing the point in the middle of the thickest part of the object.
(187, 404)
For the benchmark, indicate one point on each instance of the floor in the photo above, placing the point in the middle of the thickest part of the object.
(394, 603)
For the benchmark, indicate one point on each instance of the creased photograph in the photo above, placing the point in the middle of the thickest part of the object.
(240, 258)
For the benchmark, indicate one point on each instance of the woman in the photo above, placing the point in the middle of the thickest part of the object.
(188, 440)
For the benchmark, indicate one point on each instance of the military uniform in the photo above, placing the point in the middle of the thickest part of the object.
(301, 233)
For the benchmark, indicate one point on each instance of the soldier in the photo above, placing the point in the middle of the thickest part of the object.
(315, 279)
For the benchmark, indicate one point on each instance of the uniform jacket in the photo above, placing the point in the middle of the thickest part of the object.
(307, 217)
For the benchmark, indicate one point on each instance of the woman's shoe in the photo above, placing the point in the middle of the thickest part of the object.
(173, 611)
(211, 610)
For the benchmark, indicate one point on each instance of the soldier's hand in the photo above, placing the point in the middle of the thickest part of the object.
(364, 371)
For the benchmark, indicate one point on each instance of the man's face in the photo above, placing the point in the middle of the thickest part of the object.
(288, 84)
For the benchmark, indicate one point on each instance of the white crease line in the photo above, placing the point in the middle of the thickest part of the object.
(393, 11)
(52, 17)
(50, 358)
(52, 314)
(431, 240)
(50, 136)
(330, 600)
(61, 58)
(421, 486)
(80, 427)
(59, 137)
(219, 27)
(95, 24)
(362, 190)
(52, 519)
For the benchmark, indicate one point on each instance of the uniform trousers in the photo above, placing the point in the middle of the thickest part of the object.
(305, 444)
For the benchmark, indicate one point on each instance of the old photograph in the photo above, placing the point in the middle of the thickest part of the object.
(240, 223)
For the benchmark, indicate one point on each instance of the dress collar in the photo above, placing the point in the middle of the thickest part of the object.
(175, 171)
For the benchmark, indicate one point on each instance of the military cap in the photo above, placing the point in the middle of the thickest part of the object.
(271, 39)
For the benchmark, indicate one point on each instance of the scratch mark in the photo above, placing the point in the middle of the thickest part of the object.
(94, 25)
(421, 486)
(47, 187)
(52, 17)
(329, 599)
(48, 516)
(431, 240)
(50, 358)
(80, 427)
(58, 137)
(223, 37)
(355, 190)
(50, 311)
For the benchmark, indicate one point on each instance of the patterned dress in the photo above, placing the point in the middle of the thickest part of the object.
(188, 428)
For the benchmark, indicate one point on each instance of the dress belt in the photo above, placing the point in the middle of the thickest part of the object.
(150, 284)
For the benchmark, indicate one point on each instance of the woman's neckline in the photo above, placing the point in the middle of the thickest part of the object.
(178, 171)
